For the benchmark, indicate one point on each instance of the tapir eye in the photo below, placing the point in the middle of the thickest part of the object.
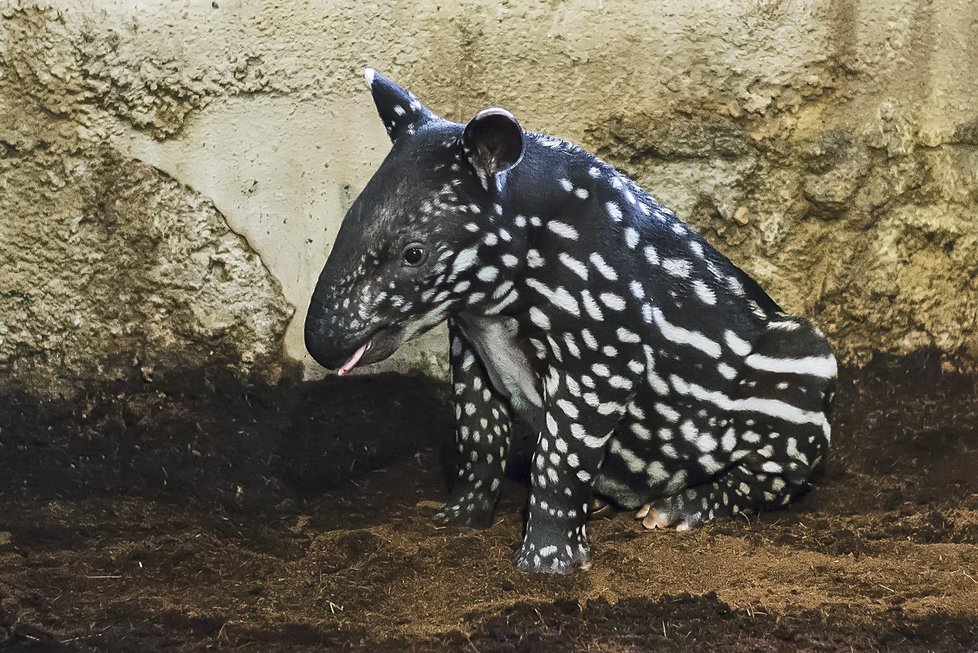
(414, 254)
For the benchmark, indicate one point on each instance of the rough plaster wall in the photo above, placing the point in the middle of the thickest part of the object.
(111, 269)
(115, 271)
(830, 148)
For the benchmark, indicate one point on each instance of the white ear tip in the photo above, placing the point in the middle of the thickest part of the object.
(369, 74)
(495, 111)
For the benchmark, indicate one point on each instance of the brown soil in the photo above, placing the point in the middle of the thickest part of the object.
(298, 519)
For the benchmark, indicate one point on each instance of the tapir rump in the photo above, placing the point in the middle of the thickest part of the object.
(658, 375)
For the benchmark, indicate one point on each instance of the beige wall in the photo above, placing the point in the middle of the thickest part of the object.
(845, 132)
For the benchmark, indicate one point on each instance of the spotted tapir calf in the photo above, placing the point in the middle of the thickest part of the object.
(658, 375)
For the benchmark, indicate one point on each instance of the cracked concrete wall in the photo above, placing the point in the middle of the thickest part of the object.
(111, 269)
(114, 271)
(829, 148)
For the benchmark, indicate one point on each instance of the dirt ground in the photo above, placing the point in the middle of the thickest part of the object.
(297, 518)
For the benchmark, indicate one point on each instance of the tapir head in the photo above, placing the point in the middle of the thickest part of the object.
(423, 239)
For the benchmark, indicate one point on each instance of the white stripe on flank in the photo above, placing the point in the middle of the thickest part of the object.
(773, 407)
(683, 336)
(779, 409)
(737, 345)
(822, 367)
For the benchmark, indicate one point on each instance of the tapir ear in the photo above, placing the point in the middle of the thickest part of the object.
(493, 141)
(400, 110)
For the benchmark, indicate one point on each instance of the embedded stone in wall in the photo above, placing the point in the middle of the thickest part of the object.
(836, 166)
(120, 273)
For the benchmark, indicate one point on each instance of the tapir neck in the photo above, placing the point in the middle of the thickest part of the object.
(538, 185)
(523, 204)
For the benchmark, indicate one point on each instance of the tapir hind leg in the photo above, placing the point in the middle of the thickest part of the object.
(778, 419)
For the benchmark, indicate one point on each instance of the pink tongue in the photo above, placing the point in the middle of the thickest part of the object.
(354, 359)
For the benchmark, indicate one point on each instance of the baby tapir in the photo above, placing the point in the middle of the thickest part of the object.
(658, 375)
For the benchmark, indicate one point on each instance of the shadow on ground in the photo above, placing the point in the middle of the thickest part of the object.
(297, 518)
